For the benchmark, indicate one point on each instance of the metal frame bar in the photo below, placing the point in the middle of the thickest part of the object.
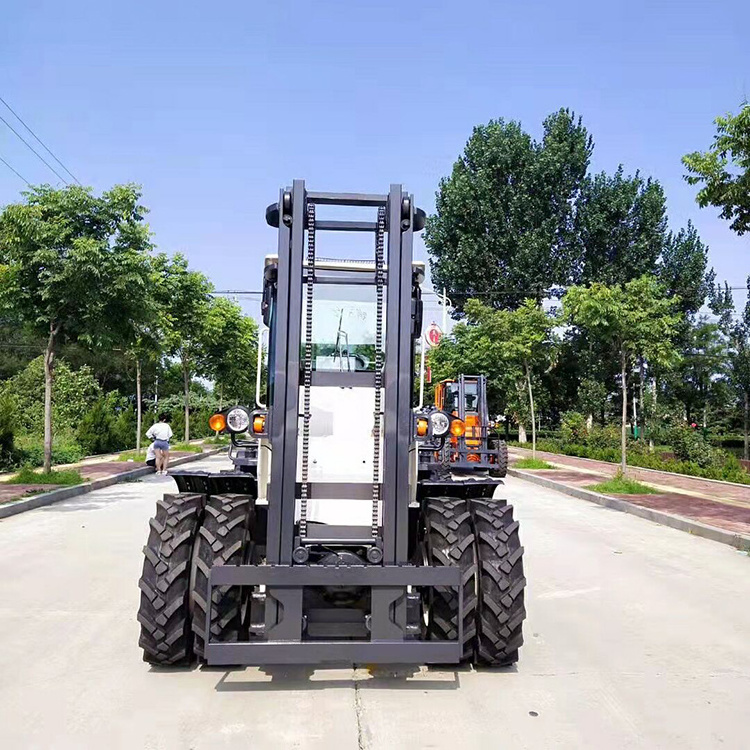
(386, 643)
(286, 580)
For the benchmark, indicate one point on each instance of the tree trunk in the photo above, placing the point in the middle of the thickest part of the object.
(49, 360)
(531, 406)
(589, 422)
(640, 396)
(522, 434)
(186, 384)
(623, 434)
(747, 440)
(138, 406)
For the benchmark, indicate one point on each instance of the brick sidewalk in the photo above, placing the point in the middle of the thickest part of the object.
(719, 504)
(89, 471)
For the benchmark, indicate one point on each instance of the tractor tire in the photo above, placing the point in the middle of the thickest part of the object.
(501, 583)
(164, 613)
(449, 540)
(224, 539)
(502, 459)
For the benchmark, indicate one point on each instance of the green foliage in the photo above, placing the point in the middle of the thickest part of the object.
(689, 444)
(73, 393)
(508, 346)
(621, 485)
(65, 449)
(27, 475)
(532, 463)
(502, 217)
(724, 170)
(100, 429)
(573, 428)
(184, 297)
(8, 454)
(229, 349)
(729, 470)
(76, 267)
(619, 228)
(77, 264)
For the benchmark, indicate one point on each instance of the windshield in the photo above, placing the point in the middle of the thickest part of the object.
(343, 327)
(471, 395)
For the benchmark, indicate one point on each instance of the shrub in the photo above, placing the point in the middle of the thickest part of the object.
(690, 445)
(605, 438)
(573, 428)
(30, 450)
(102, 430)
(73, 392)
(8, 454)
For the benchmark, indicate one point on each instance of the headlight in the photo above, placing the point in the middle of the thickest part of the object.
(238, 420)
(440, 423)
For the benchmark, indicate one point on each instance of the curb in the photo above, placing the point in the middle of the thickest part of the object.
(13, 508)
(739, 541)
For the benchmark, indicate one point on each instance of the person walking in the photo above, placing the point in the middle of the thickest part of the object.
(161, 433)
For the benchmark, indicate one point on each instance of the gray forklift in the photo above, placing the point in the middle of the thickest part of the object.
(326, 543)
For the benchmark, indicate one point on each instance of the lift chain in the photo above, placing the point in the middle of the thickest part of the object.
(379, 285)
(308, 368)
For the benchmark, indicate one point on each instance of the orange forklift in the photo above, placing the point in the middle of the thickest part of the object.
(478, 451)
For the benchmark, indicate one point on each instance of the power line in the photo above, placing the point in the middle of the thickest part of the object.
(39, 140)
(32, 149)
(17, 174)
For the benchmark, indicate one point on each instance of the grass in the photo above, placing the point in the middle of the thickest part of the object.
(532, 463)
(620, 485)
(217, 440)
(27, 475)
(187, 447)
(133, 455)
(181, 447)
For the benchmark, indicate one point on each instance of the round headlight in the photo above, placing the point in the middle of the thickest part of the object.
(440, 423)
(238, 420)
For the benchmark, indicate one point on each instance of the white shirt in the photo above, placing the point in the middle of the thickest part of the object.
(159, 431)
(150, 452)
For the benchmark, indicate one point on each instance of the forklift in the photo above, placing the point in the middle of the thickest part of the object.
(326, 543)
(479, 452)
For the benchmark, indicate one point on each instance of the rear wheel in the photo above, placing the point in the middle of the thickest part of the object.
(164, 613)
(501, 591)
(448, 540)
(225, 538)
(502, 458)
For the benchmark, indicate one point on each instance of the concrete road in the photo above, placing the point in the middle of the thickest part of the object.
(638, 636)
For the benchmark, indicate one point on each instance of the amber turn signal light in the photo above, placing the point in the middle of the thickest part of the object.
(217, 422)
(259, 424)
(421, 427)
(458, 428)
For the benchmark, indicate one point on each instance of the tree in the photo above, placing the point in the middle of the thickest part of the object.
(185, 297)
(75, 268)
(724, 170)
(527, 342)
(636, 319)
(510, 347)
(683, 269)
(229, 350)
(502, 221)
(738, 364)
(619, 228)
(704, 359)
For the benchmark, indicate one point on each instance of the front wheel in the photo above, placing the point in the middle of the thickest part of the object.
(448, 540)
(501, 591)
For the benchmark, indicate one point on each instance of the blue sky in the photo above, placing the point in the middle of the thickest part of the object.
(212, 107)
